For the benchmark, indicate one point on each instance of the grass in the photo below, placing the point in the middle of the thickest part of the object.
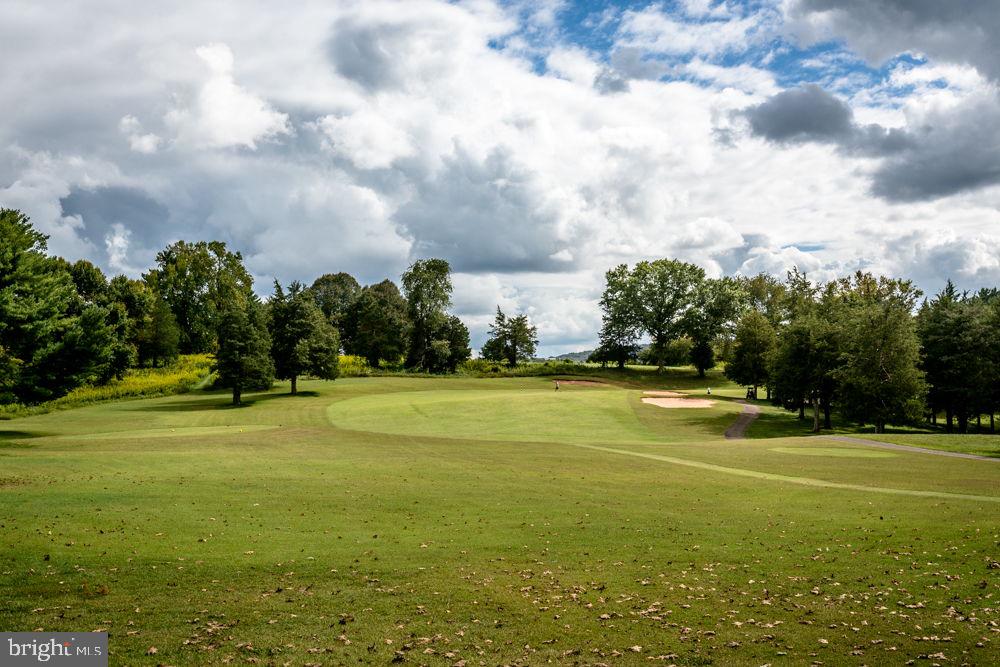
(491, 521)
(968, 443)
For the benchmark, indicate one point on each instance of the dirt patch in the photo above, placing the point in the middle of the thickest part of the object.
(584, 383)
(739, 428)
(665, 394)
(679, 402)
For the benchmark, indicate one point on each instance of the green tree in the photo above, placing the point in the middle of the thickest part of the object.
(663, 291)
(511, 339)
(452, 335)
(303, 342)
(158, 335)
(619, 324)
(335, 293)
(714, 309)
(752, 351)
(427, 286)
(880, 381)
(243, 360)
(91, 284)
(52, 340)
(194, 279)
(377, 325)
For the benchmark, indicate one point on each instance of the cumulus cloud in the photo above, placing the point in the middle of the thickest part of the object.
(224, 114)
(962, 31)
(496, 135)
(940, 153)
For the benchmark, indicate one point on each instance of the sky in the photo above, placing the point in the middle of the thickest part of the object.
(532, 144)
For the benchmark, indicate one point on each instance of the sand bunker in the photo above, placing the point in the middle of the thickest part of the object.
(665, 394)
(679, 402)
(839, 452)
(583, 383)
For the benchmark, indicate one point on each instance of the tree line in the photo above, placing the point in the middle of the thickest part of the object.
(868, 349)
(63, 325)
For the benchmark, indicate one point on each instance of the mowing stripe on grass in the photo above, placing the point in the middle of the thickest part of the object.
(804, 481)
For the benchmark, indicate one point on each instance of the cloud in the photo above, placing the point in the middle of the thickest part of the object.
(138, 142)
(223, 113)
(958, 31)
(941, 152)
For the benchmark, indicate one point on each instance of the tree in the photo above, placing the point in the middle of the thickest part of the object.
(243, 360)
(954, 331)
(619, 324)
(880, 381)
(90, 282)
(452, 336)
(302, 340)
(752, 351)
(335, 293)
(158, 335)
(714, 309)
(51, 340)
(663, 291)
(194, 279)
(427, 286)
(511, 339)
(376, 324)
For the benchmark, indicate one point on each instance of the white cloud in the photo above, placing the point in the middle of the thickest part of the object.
(225, 114)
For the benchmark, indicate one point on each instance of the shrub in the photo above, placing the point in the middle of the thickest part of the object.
(353, 366)
(179, 377)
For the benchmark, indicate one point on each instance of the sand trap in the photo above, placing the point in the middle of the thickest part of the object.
(679, 402)
(839, 452)
(584, 383)
(665, 394)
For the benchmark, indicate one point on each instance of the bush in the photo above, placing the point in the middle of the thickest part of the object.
(353, 366)
(177, 378)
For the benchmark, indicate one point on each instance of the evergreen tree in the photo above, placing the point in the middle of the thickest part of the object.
(303, 342)
(52, 340)
(243, 360)
(511, 339)
(715, 306)
(158, 335)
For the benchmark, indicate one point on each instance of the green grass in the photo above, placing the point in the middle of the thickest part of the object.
(494, 521)
(967, 443)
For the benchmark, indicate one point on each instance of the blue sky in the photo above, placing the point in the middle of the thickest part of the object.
(533, 144)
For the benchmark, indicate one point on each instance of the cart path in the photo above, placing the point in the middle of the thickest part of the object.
(909, 448)
(739, 428)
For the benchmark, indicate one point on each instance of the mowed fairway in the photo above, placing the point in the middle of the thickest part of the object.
(459, 521)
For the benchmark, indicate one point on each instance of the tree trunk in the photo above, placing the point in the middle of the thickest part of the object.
(950, 417)
(768, 390)
(236, 396)
(802, 409)
(815, 402)
(827, 422)
(963, 422)
(880, 427)
(295, 388)
(979, 423)
(993, 428)
(621, 364)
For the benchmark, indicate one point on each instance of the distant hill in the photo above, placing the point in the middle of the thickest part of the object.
(578, 357)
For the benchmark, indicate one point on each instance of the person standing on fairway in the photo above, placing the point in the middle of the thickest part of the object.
(557, 385)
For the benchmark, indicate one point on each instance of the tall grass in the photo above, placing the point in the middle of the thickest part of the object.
(179, 377)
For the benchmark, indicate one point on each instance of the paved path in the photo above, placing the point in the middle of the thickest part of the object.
(739, 428)
(907, 448)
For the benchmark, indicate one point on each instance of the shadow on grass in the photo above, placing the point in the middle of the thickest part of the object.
(222, 400)
(13, 439)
